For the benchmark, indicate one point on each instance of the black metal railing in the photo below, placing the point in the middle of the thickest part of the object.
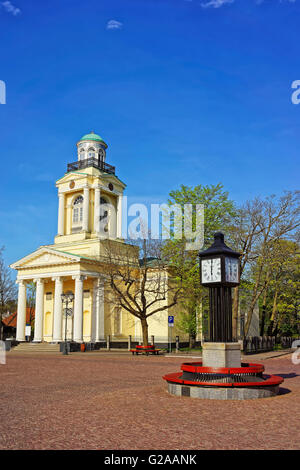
(94, 162)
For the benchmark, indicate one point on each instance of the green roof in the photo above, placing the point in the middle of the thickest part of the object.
(92, 136)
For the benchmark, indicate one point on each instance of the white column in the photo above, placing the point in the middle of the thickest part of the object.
(98, 311)
(86, 203)
(39, 311)
(101, 310)
(78, 310)
(61, 214)
(119, 216)
(95, 334)
(21, 315)
(97, 211)
(57, 321)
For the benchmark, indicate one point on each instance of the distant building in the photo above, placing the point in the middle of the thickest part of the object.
(9, 322)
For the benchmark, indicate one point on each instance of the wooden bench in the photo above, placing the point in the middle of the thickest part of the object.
(150, 349)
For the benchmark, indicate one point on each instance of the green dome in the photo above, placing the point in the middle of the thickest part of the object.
(92, 136)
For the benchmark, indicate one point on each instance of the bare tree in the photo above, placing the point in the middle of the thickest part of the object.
(140, 279)
(8, 291)
(31, 295)
(245, 234)
(261, 224)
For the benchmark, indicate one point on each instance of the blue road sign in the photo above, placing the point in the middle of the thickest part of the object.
(171, 320)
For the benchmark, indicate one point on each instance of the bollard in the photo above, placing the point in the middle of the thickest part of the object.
(108, 342)
(129, 342)
(152, 340)
(177, 344)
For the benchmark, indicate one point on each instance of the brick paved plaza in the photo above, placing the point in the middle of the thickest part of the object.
(99, 401)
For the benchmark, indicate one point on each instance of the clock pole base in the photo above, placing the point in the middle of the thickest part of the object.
(221, 354)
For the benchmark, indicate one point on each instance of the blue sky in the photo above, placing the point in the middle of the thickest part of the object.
(183, 92)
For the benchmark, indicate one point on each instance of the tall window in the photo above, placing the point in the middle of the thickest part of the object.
(104, 215)
(91, 153)
(81, 155)
(78, 212)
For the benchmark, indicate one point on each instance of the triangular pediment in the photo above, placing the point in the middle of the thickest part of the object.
(109, 178)
(45, 257)
(71, 176)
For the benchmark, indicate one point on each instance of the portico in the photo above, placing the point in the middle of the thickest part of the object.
(87, 323)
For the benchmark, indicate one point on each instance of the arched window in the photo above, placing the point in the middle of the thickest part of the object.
(91, 153)
(103, 214)
(78, 210)
(101, 154)
(81, 155)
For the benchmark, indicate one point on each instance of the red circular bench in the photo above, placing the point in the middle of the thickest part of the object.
(194, 374)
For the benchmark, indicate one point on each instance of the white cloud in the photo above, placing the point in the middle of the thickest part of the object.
(10, 8)
(216, 3)
(220, 3)
(259, 2)
(114, 24)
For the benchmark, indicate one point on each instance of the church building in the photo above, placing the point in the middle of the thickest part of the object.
(71, 263)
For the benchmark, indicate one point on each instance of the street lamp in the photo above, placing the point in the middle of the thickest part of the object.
(67, 299)
(220, 271)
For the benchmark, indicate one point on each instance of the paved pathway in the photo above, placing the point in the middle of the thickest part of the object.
(86, 401)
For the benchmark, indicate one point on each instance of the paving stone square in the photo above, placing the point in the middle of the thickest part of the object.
(117, 401)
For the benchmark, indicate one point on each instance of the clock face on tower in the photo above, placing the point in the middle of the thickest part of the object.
(211, 270)
(232, 270)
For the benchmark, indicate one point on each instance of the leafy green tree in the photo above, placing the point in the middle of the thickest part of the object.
(219, 212)
(283, 293)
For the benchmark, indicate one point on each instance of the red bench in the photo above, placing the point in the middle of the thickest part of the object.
(150, 349)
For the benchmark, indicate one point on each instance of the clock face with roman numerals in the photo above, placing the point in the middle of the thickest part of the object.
(211, 270)
(232, 270)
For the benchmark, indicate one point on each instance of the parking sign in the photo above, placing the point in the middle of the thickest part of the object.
(171, 320)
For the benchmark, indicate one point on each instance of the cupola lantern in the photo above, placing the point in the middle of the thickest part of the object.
(91, 146)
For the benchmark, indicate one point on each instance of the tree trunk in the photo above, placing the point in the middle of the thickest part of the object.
(255, 296)
(1, 326)
(274, 310)
(192, 340)
(235, 312)
(145, 331)
(263, 313)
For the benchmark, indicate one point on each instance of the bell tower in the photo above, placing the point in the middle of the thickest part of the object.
(90, 196)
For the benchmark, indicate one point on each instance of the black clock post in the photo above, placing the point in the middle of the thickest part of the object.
(221, 375)
(220, 271)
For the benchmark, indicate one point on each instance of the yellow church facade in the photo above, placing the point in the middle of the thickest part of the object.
(86, 193)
